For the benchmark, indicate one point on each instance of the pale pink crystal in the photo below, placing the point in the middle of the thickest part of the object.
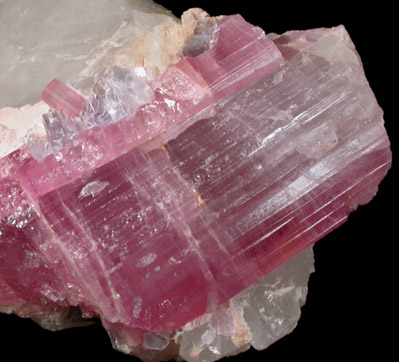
(60, 97)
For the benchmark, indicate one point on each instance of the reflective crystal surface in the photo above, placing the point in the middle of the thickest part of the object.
(180, 208)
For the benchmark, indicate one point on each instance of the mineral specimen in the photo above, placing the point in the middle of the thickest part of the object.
(176, 200)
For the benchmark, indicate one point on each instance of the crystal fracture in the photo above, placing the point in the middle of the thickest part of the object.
(177, 200)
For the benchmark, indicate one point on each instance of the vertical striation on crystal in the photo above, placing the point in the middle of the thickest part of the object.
(62, 98)
(180, 208)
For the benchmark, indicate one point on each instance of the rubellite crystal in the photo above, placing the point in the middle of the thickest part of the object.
(177, 203)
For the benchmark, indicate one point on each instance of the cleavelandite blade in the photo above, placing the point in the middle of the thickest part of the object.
(156, 202)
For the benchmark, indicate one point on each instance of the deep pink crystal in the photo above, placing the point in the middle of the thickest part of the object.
(242, 160)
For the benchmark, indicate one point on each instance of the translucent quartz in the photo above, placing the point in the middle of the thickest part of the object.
(73, 50)
(17, 123)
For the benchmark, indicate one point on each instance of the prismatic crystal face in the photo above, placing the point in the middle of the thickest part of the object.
(177, 199)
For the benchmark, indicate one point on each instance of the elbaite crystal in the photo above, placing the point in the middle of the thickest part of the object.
(160, 203)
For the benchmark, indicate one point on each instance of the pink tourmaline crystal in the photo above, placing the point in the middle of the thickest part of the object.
(215, 174)
(59, 97)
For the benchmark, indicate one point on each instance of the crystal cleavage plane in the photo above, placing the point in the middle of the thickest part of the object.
(177, 200)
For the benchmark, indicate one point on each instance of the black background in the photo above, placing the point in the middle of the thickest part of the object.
(352, 299)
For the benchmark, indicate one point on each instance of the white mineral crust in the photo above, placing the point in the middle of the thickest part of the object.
(17, 123)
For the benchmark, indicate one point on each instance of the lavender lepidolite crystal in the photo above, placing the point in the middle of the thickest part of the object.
(178, 203)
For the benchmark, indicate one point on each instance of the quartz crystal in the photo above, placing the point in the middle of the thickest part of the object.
(74, 50)
(179, 174)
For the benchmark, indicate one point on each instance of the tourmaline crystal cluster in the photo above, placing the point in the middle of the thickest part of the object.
(178, 198)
